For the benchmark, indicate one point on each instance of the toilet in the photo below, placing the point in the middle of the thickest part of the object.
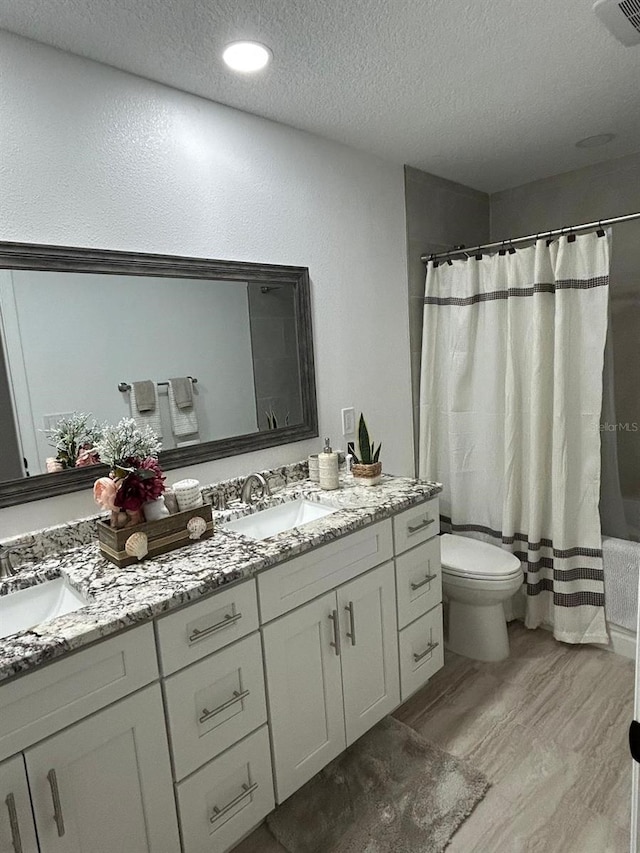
(477, 578)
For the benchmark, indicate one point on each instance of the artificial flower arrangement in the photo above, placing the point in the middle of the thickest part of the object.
(136, 478)
(74, 439)
(141, 524)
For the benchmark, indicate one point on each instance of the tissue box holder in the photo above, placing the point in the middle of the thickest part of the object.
(164, 535)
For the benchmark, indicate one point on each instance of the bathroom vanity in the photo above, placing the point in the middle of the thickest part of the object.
(243, 668)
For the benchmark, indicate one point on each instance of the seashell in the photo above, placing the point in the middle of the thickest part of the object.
(137, 545)
(196, 527)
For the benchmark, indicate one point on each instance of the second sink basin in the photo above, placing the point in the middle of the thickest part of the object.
(277, 519)
(25, 608)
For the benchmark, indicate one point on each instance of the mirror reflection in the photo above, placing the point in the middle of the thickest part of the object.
(217, 359)
(87, 342)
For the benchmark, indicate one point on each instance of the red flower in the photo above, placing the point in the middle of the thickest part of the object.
(145, 483)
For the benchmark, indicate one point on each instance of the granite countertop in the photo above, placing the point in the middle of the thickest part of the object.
(122, 597)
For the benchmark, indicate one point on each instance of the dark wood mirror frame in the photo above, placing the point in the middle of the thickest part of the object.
(108, 262)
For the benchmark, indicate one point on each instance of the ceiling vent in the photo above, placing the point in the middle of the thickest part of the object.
(621, 18)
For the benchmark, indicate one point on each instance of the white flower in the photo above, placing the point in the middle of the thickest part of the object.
(127, 439)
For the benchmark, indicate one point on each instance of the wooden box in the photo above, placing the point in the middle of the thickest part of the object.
(164, 535)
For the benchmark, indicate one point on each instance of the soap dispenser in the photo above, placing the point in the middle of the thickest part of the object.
(328, 467)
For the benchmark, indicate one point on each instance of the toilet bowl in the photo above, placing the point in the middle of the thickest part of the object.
(477, 578)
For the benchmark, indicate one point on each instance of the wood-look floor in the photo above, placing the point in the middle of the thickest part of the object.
(548, 727)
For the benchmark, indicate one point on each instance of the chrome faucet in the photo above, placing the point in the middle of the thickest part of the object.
(252, 480)
(6, 551)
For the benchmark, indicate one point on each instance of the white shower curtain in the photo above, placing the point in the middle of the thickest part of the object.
(510, 400)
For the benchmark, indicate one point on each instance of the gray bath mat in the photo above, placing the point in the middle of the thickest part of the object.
(391, 792)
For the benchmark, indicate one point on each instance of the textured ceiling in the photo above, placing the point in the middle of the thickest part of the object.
(491, 93)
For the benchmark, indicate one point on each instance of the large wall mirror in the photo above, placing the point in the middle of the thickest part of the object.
(81, 327)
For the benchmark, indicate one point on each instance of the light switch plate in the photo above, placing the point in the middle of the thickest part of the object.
(348, 421)
(50, 421)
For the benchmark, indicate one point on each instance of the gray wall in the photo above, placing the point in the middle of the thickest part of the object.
(440, 214)
(586, 195)
(275, 362)
(10, 451)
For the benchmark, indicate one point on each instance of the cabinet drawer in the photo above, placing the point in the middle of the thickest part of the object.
(418, 581)
(421, 651)
(228, 797)
(299, 580)
(206, 626)
(416, 525)
(215, 703)
(47, 700)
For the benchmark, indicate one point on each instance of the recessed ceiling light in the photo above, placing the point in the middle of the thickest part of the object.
(246, 56)
(595, 141)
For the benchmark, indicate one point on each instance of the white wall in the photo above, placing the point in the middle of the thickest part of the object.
(156, 328)
(90, 156)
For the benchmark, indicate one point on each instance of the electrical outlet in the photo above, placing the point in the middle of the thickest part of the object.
(348, 421)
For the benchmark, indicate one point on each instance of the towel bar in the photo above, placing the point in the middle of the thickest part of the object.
(125, 386)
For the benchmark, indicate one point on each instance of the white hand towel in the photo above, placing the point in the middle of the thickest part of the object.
(183, 421)
(144, 419)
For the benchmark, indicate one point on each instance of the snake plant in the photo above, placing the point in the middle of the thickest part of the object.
(368, 452)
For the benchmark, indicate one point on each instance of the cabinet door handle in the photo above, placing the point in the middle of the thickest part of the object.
(413, 528)
(237, 697)
(336, 631)
(352, 622)
(417, 656)
(13, 823)
(427, 579)
(246, 791)
(229, 619)
(57, 806)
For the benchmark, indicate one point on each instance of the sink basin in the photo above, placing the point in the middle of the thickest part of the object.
(277, 519)
(25, 608)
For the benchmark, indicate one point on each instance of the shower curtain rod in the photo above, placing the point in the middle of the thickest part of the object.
(557, 232)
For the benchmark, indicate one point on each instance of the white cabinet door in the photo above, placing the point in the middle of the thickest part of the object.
(305, 692)
(17, 830)
(104, 784)
(370, 677)
(635, 777)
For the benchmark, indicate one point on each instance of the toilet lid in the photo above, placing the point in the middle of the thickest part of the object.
(470, 558)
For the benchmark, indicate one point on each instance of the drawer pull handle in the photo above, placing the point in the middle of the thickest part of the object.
(13, 823)
(57, 806)
(237, 697)
(427, 579)
(413, 528)
(229, 619)
(336, 631)
(417, 656)
(352, 622)
(246, 791)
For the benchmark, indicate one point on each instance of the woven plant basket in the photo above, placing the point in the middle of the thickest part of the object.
(367, 475)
